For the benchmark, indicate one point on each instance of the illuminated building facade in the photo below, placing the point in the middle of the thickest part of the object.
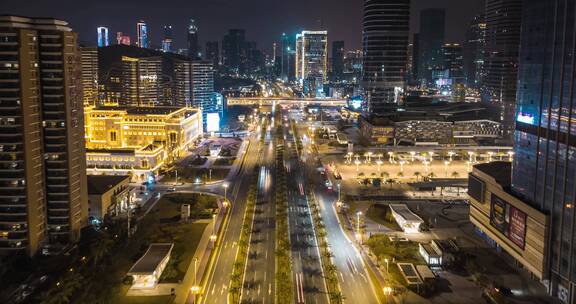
(203, 87)
(122, 39)
(138, 140)
(89, 56)
(142, 38)
(473, 52)
(102, 36)
(141, 79)
(311, 60)
(43, 192)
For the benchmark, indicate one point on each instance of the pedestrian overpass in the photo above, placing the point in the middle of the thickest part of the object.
(270, 101)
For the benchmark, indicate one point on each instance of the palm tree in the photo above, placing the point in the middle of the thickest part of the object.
(400, 174)
(417, 175)
(455, 174)
(384, 175)
(336, 297)
(431, 175)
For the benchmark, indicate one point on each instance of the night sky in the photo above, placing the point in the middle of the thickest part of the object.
(264, 20)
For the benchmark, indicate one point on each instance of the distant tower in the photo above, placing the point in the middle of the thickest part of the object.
(193, 48)
(312, 61)
(142, 38)
(432, 24)
(102, 36)
(167, 41)
(337, 60)
(122, 39)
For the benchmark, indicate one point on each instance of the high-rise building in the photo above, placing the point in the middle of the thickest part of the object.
(141, 81)
(182, 84)
(212, 52)
(122, 39)
(415, 64)
(503, 19)
(337, 60)
(89, 60)
(312, 61)
(203, 88)
(385, 47)
(432, 23)
(102, 36)
(285, 50)
(193, 46)
(544, 167)
(473, 52)
(453, 63)
(167, 41)
(142, 36)
(527, 209)
(234, 50)
(43, 192)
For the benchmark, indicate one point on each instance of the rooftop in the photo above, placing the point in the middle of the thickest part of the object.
(100, 184)
(162, 110)
(148, 263)
(501, 171)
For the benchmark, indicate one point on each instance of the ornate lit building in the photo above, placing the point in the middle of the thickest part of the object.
(138, 140)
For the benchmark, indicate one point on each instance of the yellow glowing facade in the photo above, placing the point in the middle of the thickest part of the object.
(138, 140)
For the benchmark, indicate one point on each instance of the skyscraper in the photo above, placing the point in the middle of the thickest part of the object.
(142, 38)
(385, 47)
(203, 88)
(43, 192)
(167, 41)
(415, 57)
(473, 52)
(432, 23)
(234, 50)
(503, 18)
(122, 39)
(453, 62)
(193, 47)
(285, 50)
(544, 168)
(141, 81)
(212, 52)
(102, 36)
(337, 60)
(89, 60)
(312, 60)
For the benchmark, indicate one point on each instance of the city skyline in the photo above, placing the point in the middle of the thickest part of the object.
(342, 20)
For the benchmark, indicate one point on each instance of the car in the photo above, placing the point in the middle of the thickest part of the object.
(171, 189)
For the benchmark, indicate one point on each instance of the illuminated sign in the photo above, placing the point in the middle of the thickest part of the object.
(508, 220)
(356, 102)
(212, 122)
(525, 118)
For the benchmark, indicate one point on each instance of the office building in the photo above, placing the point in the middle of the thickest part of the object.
(141, 81)
(122, 39)
(137, 141)
(453, 64)
(473, 52)
(43, 193)
(108, 196)
(142, 35)
(212, 52)
(234, 50)
(385, 48)
(415, 55)
(89, 60)
(312, 61)
(337, 65)
(102, 36)
(503, 18)
(168, 39)
(203, 87)
(432, 23)
(353, 66)
(193, 44)
(285, 51)
(182, 83)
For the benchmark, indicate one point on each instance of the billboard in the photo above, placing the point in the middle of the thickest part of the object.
(509, 220)
(212, 122)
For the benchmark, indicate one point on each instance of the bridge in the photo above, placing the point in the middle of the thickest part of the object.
(269, 101)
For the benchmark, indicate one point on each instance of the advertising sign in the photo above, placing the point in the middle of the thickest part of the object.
(509, 220)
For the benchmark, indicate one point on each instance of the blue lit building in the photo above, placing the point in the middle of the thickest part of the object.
(142, 34)
(167, 41)
(203, 88)
(544, 168)
(102, 36)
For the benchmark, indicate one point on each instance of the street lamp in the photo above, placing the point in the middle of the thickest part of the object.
(225, 185)
(358, 235)
(431, 153)
(386, 261)
(446, 163)
(379, 163)
(195, 289)
(402, 166)
(426, 165)
(412, 153)
(470, 154)
(390, 156)
(450, 154)
(357, 162)
(490, 156)
(213, 236)
(369, 157)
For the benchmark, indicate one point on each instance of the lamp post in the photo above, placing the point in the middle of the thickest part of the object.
(213, 236)
(390, 156)
(450, 154)
(358, 235)
(431, 153)
(401, 166)
(490, 156)
(357, 162)
(470, 154)
(412, 154)
(225, 185)
(379, 163)
(195, 288)
(386, 261)
(446, 163)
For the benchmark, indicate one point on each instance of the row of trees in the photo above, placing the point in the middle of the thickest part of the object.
(237, 277)
(283, 274)
(330, 270)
